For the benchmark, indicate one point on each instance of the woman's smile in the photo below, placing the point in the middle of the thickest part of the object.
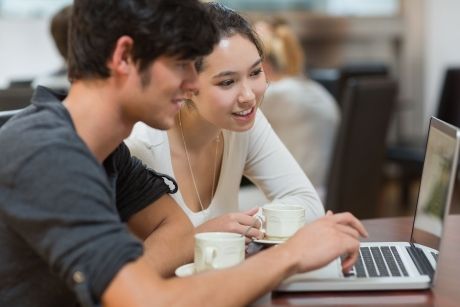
(245, 115)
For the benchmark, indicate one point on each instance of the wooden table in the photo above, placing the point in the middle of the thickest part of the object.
(446, 291)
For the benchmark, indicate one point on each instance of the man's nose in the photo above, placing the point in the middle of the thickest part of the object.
(190, 83)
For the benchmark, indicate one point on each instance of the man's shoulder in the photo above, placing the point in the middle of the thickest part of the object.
(34, 131)
(35, 125)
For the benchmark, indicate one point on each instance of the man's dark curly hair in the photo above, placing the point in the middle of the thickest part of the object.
(177, 28)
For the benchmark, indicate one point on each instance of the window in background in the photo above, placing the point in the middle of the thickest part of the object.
(30, 8)
(330, 7)
(362, 7)
(34, 8)
(271, 5)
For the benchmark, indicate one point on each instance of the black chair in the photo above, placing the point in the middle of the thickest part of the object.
(355, 175)
(15, 98)
(21, 83)
(335, 79)
(361, 71)
(449, 104)
(408, 155)
(6, 115)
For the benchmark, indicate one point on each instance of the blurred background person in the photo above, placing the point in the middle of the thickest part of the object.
(59, 28)
(303, 114)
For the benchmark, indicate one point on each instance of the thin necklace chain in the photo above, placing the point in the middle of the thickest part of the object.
(190, 165)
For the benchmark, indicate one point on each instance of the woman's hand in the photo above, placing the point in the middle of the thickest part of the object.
(238, 222)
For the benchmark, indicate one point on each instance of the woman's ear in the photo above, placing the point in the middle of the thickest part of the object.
(121, 60)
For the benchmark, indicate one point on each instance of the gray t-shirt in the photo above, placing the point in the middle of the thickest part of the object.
(61, 233)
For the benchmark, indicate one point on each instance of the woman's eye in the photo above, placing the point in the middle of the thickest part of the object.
(225, 83)
(256, 72)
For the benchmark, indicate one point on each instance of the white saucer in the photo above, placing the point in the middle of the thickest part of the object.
(269, 241)
(185, 270)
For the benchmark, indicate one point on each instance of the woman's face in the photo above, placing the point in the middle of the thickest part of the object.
(231, 84)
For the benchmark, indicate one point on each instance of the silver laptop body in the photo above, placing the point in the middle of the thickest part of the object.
(401, 265)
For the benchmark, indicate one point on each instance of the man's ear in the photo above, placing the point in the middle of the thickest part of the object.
(121, 60)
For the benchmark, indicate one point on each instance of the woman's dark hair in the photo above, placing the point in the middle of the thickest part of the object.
(229, 23)
(178, 28)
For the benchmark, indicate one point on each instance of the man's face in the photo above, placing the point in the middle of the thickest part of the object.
(160, 91)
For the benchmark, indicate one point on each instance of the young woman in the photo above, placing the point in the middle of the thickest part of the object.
(221, 135)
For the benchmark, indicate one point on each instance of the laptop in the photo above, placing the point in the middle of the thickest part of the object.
(401, 265)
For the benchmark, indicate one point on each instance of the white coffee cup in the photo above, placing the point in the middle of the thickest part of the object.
(218, 250)
(281, 220)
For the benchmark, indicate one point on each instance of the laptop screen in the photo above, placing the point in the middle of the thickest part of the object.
(436, 187)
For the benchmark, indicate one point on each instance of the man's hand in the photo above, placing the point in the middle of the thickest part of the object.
(332, 236)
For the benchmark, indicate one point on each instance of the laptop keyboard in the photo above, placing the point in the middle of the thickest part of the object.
(375, 261)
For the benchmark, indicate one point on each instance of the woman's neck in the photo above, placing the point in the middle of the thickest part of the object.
(197, 132)
(196, 156)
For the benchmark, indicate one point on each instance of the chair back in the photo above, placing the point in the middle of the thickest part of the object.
(355, 175)
(449, 103)
(335, 80)
(15, 98)
(6, 115)
(358, 71)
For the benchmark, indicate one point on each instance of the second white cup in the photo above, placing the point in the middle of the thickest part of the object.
(281, 221)
(218, 250)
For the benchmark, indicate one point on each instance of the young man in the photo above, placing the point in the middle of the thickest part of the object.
(65, 180)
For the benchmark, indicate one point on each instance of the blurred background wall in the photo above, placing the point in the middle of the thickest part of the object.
(416, 39)
(27, 49)
(441, 45)
(26, 46)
